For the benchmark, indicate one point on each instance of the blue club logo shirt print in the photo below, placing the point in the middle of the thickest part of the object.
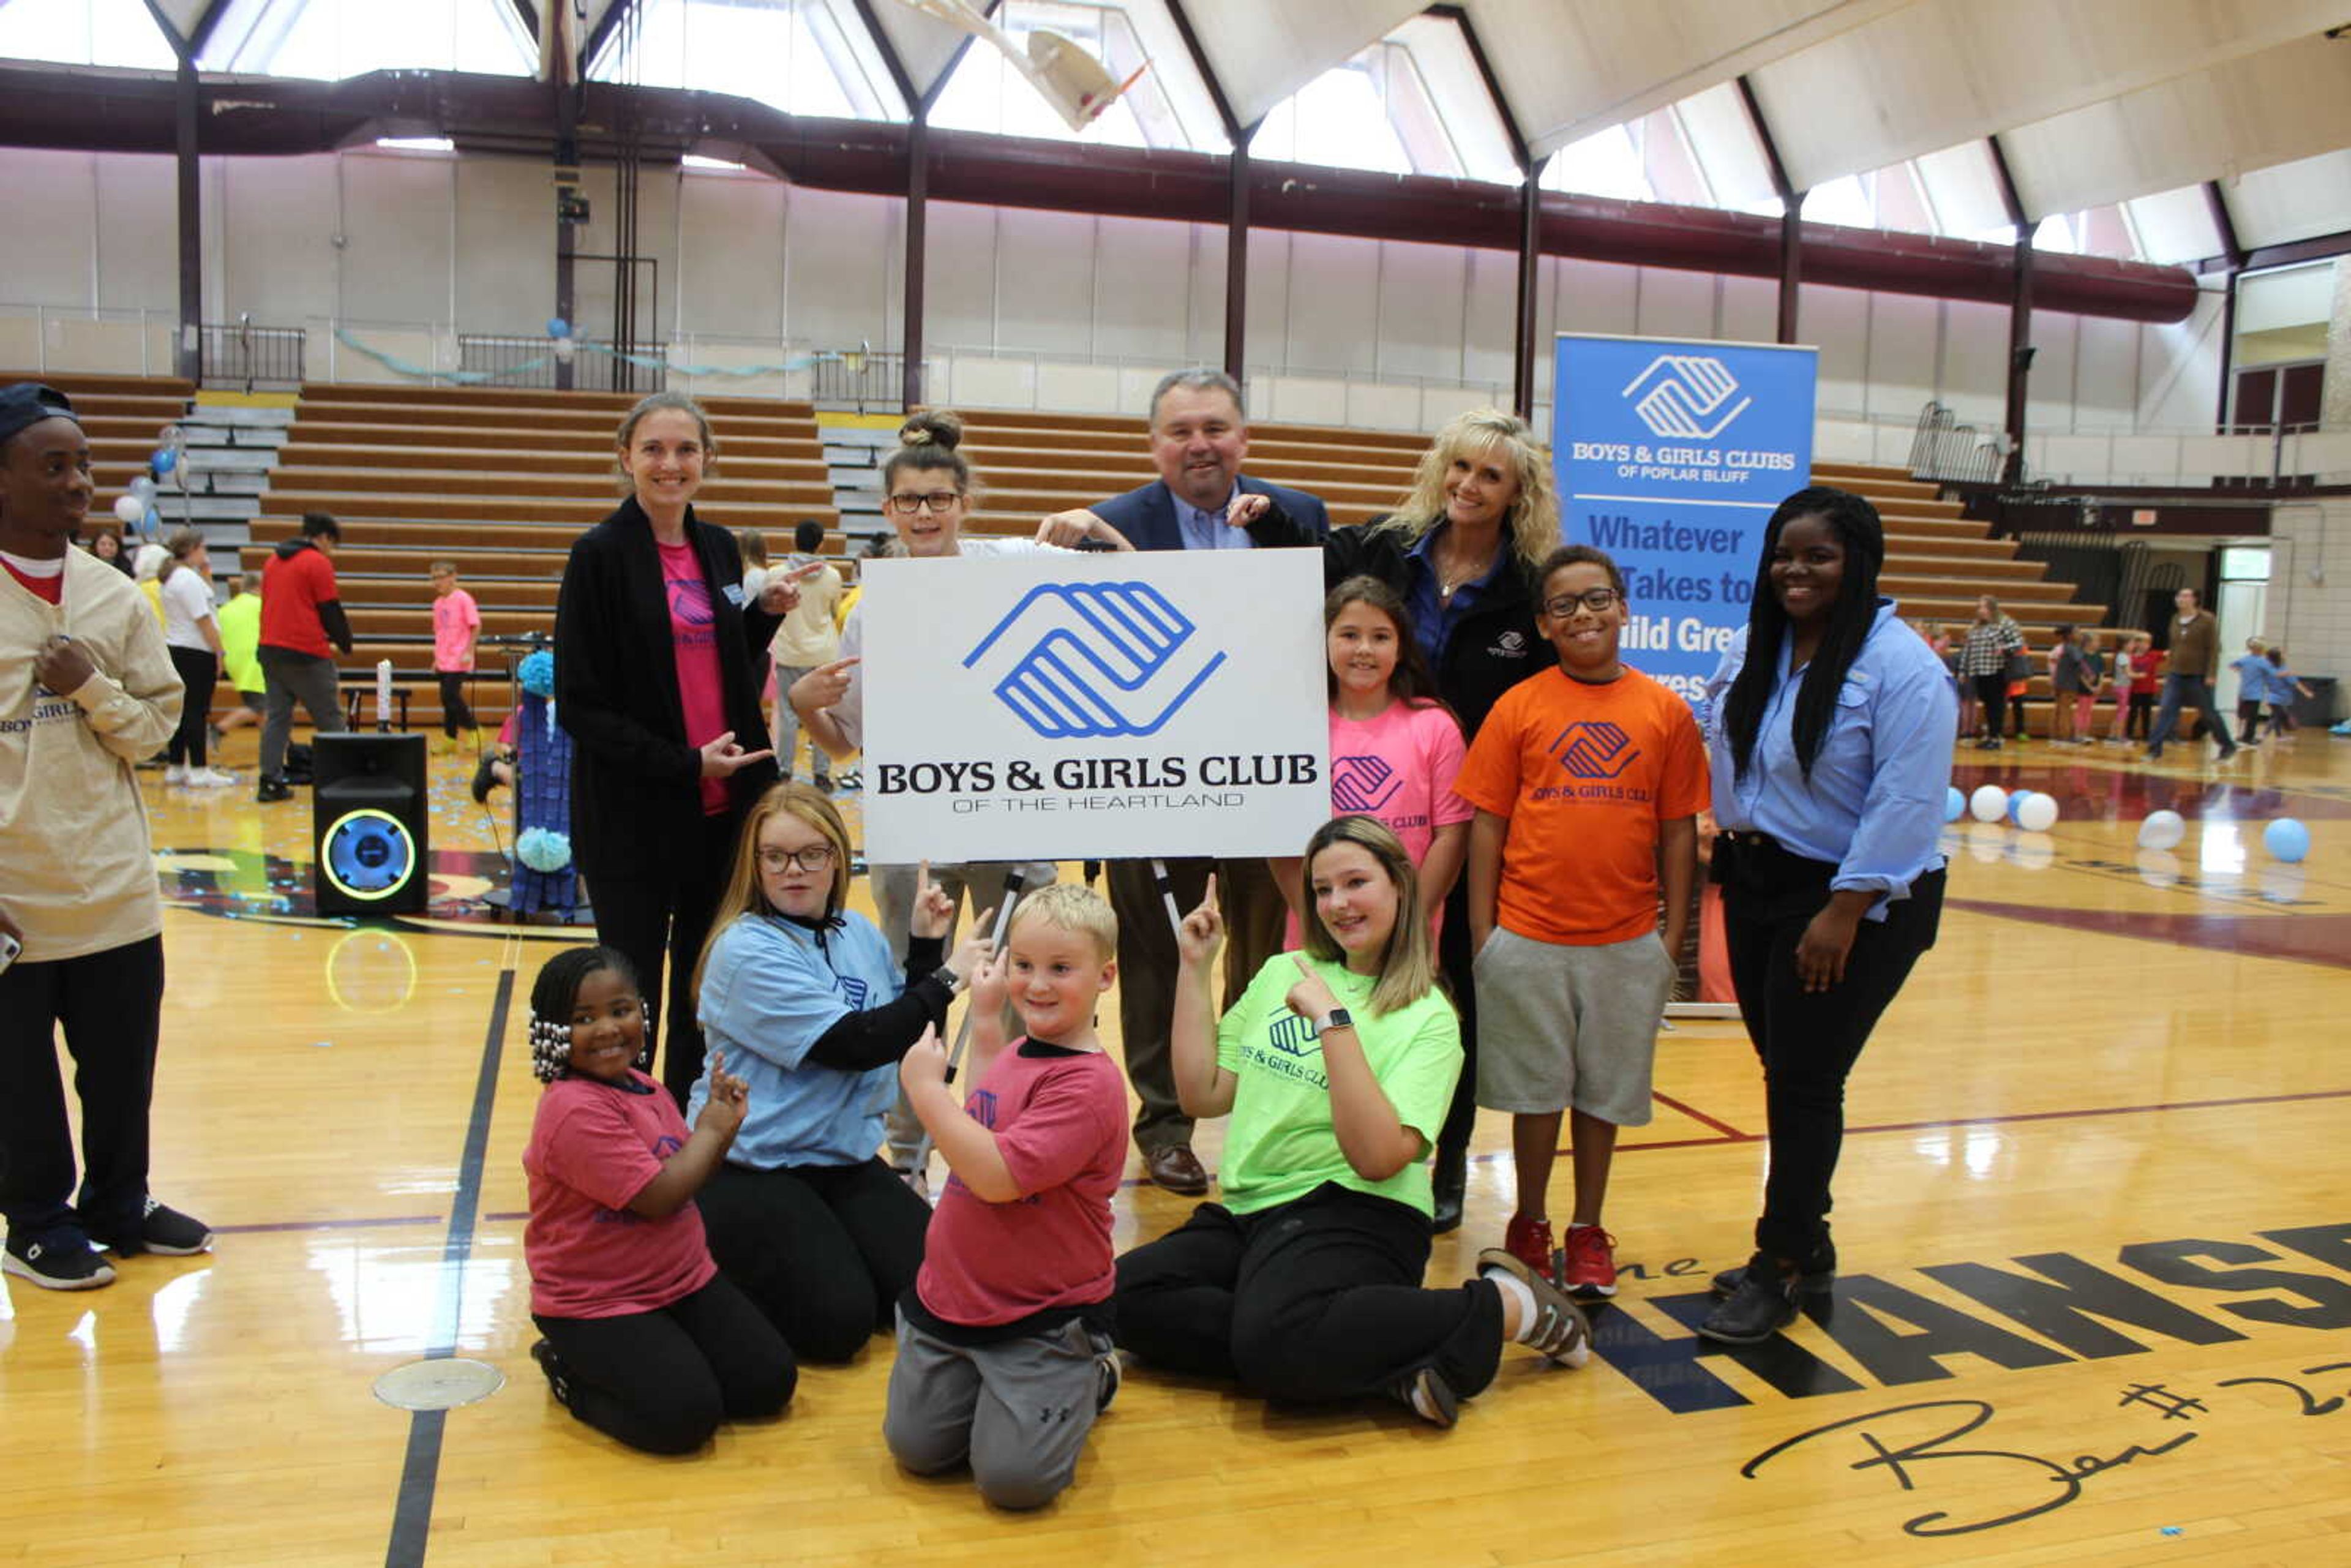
(1684, 397)
(1080, 659)
(1362, 783)
(1593, 750)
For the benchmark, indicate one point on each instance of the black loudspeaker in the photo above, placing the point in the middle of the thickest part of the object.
(368, 827)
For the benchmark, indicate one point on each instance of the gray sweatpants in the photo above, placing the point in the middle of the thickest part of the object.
(1019, 1410)
(892, 887)
(287, 675)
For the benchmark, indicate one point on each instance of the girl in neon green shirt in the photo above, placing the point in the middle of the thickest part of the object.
(1336, 1066)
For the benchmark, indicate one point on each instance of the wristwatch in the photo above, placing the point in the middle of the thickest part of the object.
(950, 979)
(1337, 1018)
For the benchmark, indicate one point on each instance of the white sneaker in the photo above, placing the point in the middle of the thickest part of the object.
(177, 773)
(210, 777)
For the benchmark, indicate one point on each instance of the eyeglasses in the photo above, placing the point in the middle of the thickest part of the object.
(815, 857)
(1599, 601)
(937, 501)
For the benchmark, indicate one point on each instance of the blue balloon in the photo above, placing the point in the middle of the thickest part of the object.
(557, 327)
(1955, 805)
(2286, 839)
(164, 461)
(2017, 798)
(537, 673)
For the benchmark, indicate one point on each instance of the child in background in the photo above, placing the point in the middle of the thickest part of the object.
(1004, 1342)
(2282, 689)
(240, 632)
(2146, 680)
(457, 623)
(646, 1339)
(193, 641)
(2094, 676)
(2069, 679)
(1395, 748)
(1587, 780)
(2252, 668)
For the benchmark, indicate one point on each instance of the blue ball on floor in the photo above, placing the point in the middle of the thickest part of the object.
(2286, 839)
(1955, 804)
(2016, 800)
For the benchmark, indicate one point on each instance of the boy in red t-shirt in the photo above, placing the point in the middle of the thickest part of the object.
(1004, 1342)
(1588, 779)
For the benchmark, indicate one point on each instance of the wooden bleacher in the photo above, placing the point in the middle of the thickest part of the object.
(122, 416)
(499, 481)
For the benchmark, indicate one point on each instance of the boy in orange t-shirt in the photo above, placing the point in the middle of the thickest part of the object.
(1588, 779)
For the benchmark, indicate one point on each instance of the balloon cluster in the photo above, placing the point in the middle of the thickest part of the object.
(544, 848)
(2287, 839)
(537, 673)
(2031, 809)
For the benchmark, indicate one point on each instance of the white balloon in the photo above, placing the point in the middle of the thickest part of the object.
(128, 510)
(2161, 831)
(1989, 803)
(2038, 814)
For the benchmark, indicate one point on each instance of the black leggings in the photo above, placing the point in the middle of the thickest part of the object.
(1312, 1301)
(662, 1381)
(648, 917)
(198, 668)
(454, 715)
(1991, 697)
(1808, 1041)
(111, 1006)
(2141, 715)
(825, 1252)
(1454, 961)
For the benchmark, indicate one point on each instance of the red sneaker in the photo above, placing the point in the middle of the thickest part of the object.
(1528, 1240)
(1588, 1265)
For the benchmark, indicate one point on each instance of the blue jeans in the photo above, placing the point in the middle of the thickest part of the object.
(2189, 691)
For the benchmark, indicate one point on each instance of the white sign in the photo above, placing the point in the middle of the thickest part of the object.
(1098, 706)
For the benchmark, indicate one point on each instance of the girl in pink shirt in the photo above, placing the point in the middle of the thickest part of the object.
(645, 1339)
(1395, 748)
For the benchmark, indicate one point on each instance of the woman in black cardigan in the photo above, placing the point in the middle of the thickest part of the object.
(1463, 551)
(658, 669)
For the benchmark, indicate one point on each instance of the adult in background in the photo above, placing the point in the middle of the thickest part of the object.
(193, 641)
(809, 637)
(86, 690)
(660, 674)
(302, 625)
(1828, 730)
(2195, 649)
(1199, 438)
(1464, 549)
(1993, 641)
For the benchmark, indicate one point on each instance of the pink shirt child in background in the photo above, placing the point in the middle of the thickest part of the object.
(456, 622)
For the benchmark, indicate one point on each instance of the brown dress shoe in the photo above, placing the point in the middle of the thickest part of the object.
(1175, 1168)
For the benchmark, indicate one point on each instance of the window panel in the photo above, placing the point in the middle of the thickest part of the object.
(792, 55)
(331, 39)
(85, 33)
(2176, 225)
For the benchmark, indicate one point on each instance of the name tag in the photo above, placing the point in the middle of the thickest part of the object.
(734, 592)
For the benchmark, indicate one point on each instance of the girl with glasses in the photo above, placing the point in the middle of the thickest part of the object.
(928, 488)
(804, 999)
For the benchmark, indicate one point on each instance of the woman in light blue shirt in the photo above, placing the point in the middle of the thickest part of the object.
(804, 1000)
(1831, 753)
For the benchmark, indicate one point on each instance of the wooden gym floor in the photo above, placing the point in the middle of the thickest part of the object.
(2094, 1221)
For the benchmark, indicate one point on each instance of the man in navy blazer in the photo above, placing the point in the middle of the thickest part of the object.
(1199, 436)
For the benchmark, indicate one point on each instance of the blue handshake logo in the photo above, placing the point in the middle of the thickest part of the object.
(1084, 659)
(1684, 397)
(1594, 749)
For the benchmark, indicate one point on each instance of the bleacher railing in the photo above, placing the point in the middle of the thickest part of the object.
(255, 356)
(862, 376)
(499, 359)
(1949, 453)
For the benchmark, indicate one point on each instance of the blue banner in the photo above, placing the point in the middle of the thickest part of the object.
(1670, 454)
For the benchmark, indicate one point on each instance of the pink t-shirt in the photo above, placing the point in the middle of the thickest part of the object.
(1397, 766)
(593, 1148)
(455, 620)
(693, 635)
(1059, 1121)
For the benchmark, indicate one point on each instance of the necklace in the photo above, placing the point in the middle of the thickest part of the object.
(1447, 585)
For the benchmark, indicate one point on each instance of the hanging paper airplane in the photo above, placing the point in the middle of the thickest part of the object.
(1072, 80)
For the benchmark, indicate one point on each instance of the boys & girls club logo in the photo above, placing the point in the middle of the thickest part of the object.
(1683, 397)
(1078, 659)
(1592, 748)
(1361, 783)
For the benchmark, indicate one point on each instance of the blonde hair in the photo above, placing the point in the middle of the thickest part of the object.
(1532, 522)
(744, 896)
(442, 569)
(1074, 907)
(1408, 962)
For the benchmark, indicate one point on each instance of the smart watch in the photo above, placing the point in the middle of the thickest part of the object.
(1337, 1018)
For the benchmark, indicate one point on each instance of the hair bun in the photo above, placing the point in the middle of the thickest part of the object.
(932, 427)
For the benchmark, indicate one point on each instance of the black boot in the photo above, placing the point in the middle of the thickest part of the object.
(1763, 1304)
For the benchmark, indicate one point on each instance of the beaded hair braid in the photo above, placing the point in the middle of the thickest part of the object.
(550, 1047)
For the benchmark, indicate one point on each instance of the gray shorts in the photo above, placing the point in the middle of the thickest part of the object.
(1562, 1026)
(1017, 1411)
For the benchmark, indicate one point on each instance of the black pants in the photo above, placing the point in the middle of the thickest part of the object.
(198, 668)
(648, 917)
(2249, 723)
(2016, 711)
(662, 1381)
(1315, 1301)
(2141, 715)
(1253, 911)
(454, 715)
(1991, 697)
(1808, 1041)
(825, 1252)
(1454, 961)
(111, 1005)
